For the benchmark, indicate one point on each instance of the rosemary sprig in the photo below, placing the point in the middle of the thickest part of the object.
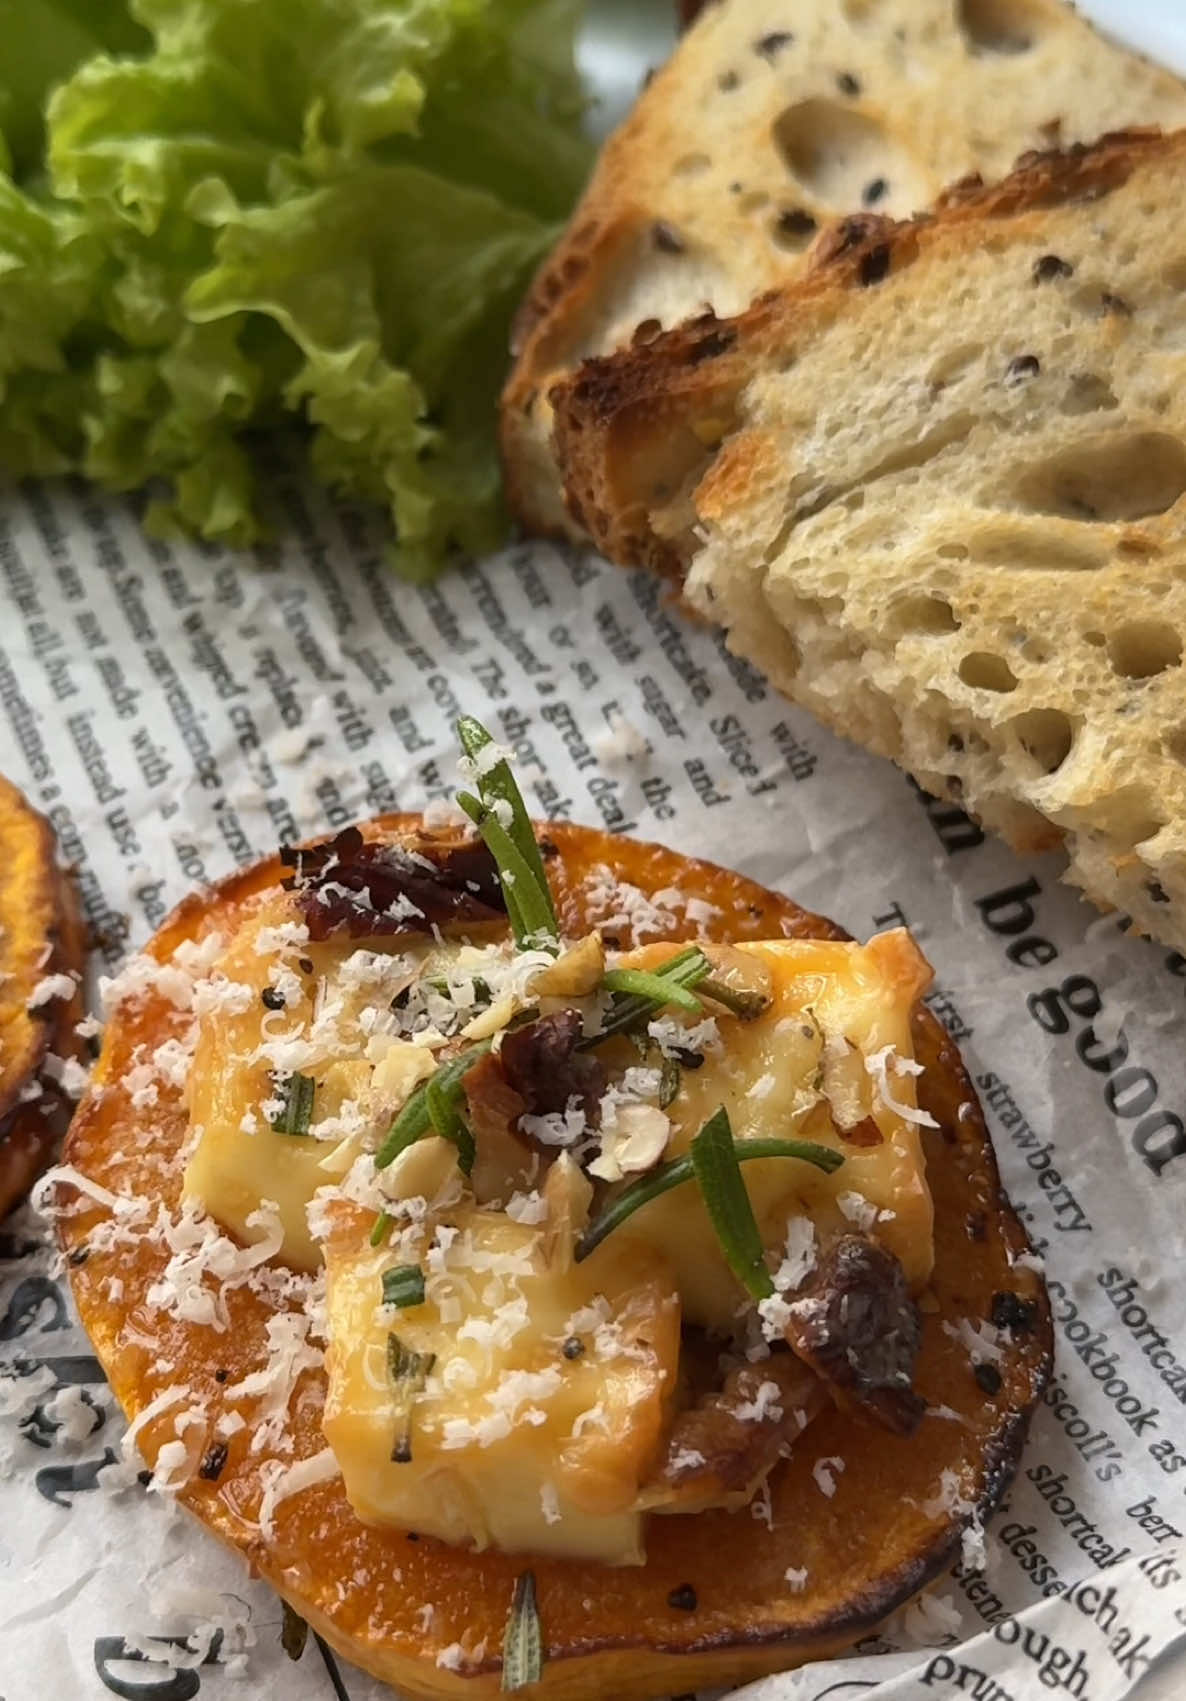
(414, 1121)
(522, 1645)
(529, 904)
(510, 839)
(714, 1163)
(409, 1371)
(403, 1285)
(630, 1010)
(681, 1169)
(670, 1076)
(746, 1006)
(443, 1099)
(296, 1114)
(498, 785)
(653, 987)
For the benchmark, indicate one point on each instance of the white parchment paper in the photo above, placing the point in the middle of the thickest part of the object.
(177, 712)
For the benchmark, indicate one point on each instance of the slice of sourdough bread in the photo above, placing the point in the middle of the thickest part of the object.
(937, 491)
(773, 117)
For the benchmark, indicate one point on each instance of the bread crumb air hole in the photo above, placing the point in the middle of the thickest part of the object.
(1174, 744)
(953, 365)
(1118, 477)
(921, 614)
(859, 11)
(987, 672)
(834, 151)
(1046, 736)
(1087, 393)
(999, 26)
(1142, 648)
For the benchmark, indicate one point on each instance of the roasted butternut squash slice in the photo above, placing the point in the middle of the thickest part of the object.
(42, 954)
(211, 1331)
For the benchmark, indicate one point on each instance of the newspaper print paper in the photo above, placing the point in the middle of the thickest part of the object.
(178, 712)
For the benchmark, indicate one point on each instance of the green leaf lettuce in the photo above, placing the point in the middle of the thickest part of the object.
(238, 213)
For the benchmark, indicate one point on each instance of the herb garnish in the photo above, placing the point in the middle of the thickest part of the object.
(409, 1371)
(746, 1006)
(681, 1169)
(670, 1075)
(714, 1162)
(522, 1646)
(442, 1098)
(296, 1112)
(294, 1632)
(654, 987)
(630, 1010)
(382, 1224)
(529, 904)
(415, 1119)
(500, 815)
(403, 1285)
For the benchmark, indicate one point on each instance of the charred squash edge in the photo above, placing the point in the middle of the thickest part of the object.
(30, 1131)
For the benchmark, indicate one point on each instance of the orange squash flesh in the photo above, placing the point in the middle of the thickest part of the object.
(607, 1631)
(41, 935)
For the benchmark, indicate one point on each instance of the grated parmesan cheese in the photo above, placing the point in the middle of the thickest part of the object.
(67, 1073)
(825, 1472)
(880, 1064)
(50, 987)
(281, 1482)
(765, 1405)
(981, 1341)
(857, 1209)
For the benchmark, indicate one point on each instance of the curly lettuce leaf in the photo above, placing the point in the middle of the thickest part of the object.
(311, 210)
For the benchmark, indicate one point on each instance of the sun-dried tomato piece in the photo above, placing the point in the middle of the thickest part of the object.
(367, 889)
(854, 1322)
(543, 1065)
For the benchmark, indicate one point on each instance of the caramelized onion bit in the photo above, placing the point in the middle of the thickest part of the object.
(367, 890)
(541, 1062)
(854, 1322)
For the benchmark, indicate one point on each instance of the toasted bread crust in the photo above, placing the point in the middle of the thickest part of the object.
(936, 492)
(607, 1631)
(731, 140)
(615, 407)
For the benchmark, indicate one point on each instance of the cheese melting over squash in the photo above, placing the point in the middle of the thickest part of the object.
(548, 1396)
(513, 1442)
(770, 1075)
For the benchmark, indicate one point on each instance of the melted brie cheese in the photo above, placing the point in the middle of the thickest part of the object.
(768, 1074)
(514, 1443)
(326, 1030)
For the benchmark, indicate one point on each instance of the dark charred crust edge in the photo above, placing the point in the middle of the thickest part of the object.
(703, 363)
